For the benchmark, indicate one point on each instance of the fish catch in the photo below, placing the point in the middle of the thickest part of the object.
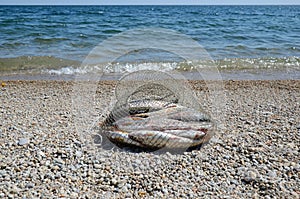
(152, 125)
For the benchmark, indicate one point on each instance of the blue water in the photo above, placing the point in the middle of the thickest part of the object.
(261, 35)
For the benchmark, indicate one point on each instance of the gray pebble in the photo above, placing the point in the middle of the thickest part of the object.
(41, 153)
(114, 181)
(78, 154)
(250, 176)
(29, 185)
(272, 174)
(128, 186)
(23, 141)
(97, 166)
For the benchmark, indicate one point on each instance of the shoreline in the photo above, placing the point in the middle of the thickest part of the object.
(255, 154)
(220, 74)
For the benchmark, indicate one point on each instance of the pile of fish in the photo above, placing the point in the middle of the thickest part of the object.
(156, 124)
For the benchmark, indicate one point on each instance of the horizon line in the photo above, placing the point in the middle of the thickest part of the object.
(149, 4)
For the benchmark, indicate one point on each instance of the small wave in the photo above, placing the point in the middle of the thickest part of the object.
(11, 45)
(66, 71)
(112, 31)
(296, 49)
(92, 12)
(266, 49)
(118, 68)
(238, 47)
(132, 67)
(81, 45)
(49, 40)
(237, 37)
(34, 34)
(222, 64)
(259, 63)
(290, 63)
(112, 68)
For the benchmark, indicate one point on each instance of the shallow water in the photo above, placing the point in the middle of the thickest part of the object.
(223, 75)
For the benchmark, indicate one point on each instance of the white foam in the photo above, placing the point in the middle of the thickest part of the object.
(113, 68)
(66, 71)
(289, 63)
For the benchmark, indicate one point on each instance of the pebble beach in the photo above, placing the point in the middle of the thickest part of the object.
(256, 153)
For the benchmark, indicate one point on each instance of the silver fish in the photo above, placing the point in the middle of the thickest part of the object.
(160, 139)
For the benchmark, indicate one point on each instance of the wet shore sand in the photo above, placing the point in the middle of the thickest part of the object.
(255, 154)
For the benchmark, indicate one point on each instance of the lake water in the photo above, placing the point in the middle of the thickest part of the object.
(244, 42)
